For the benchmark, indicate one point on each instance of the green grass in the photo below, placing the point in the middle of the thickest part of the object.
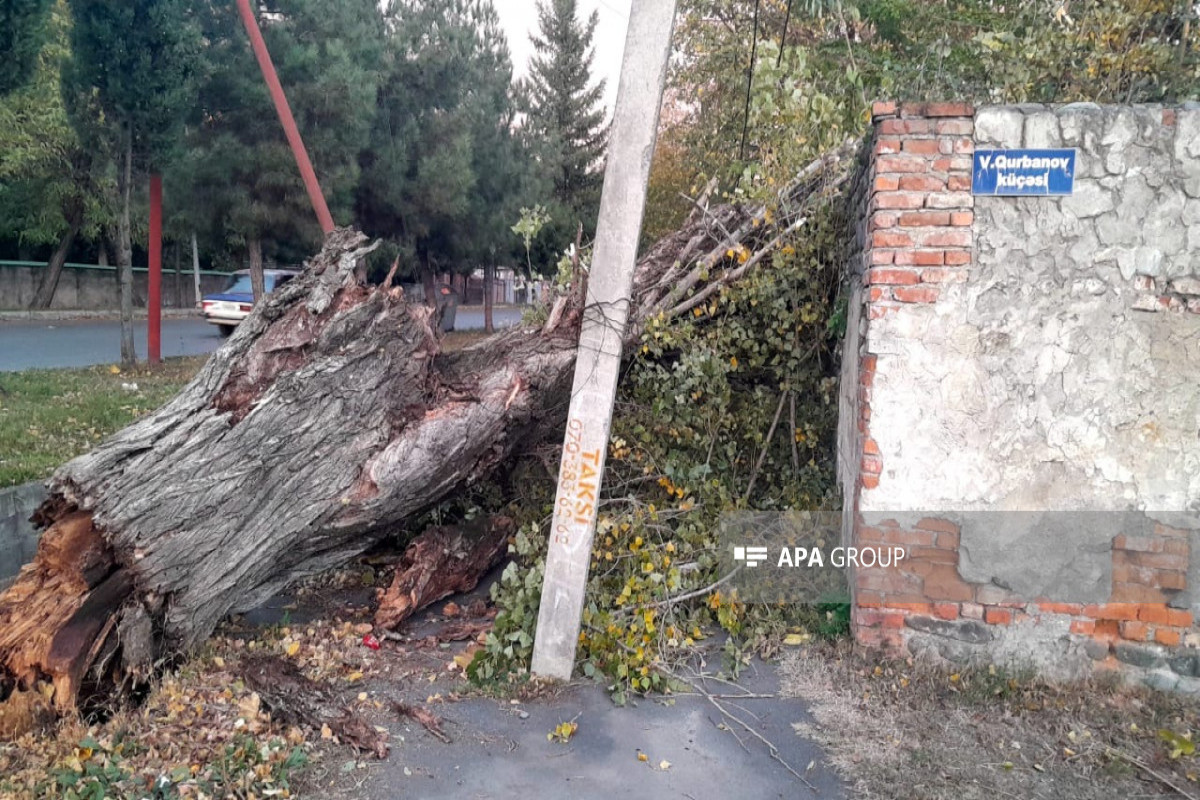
(49, 416)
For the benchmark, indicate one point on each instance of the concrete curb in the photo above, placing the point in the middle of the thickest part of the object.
(52, 315)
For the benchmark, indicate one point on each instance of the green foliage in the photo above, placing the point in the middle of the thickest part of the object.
(22, 34)
(840, 57)
(444, 174)
(239, 175)
(692, 418)
(137, 59)
(566, 121)
(49, 181)
(529, 226)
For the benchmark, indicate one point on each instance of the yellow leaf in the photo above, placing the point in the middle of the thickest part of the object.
(293, 648)
(795, 639)
(643, 757)
(354, 676)
(114, 369)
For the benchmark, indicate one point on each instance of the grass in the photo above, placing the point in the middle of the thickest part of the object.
(49, 416)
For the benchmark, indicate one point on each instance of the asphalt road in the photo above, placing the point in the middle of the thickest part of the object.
(26, 344)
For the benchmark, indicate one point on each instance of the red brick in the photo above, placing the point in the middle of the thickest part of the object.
(881, 311)
(905, 126)
(961, 218)
(1106, 629)
(1134, 631)
(904, 277)
(922, 183)
(945, 610)
(1171, 579)
(946, 238)
(955, 258)
(998, 616)
(971, 610)
(1162, 615)
(883, 219)
(944, 584)
(882, 256)
(901, 164)
(920, 258)
(1158, 560)
(879, 293)
(872, 464)
(1061, 608)
(871, 446)
(870, 481)
(1167, 636)
(882, 108)
(1168, 116)
(930, 553)
(947, 541)
(923, 147)
(950, 200)
(1083, 627)
(955, 127)
(924, 219)
(890, 239)
(887, 183)
(952, 164)
(953, 145)
(1135, 594)
(1141, 544)
(893, 621)
(868, 362)
(949, 110)
(1174, 533)
(1125, 611)
(916, 294)
(901, 200)
(867, 599)
(886, 145)
(959, 183)
(947, 275)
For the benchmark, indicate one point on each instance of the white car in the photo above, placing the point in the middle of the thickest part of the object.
(229, 307)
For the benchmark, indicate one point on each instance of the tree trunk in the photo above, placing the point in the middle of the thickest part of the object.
(429, 286)
(258, 282)
(196, 270)
(489, 281)
(49, 284)
(324, 423)
(125, 255)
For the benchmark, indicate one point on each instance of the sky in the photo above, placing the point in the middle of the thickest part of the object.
(519, 18)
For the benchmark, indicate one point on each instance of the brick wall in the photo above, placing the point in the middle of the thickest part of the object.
(916, 279)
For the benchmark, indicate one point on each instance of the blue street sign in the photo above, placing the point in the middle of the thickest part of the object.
(1023, 172)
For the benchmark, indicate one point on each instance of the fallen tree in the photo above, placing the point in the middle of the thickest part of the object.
(329, 419)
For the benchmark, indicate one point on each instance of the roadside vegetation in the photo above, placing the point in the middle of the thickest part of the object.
(49, 416)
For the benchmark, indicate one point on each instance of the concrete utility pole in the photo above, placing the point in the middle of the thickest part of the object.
(631, 148)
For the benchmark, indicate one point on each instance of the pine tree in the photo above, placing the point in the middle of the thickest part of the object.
(443, 170)
(566, 114)
(245, 191)
(134, 61)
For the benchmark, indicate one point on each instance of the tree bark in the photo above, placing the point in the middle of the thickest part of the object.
(489, 281)
(49, 285)
(125, 254)
(258, 282)
(326, 421)
(429, 286)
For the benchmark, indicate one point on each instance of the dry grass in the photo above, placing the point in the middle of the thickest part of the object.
(902, 731)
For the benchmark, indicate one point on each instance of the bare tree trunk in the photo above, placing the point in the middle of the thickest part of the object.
(196, 269)
(125, 255)
(324, 423)
(49, 284)
(429, 286)
(489, 282)
(258, 282)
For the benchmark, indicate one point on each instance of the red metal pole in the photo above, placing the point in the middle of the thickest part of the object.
(285, 116)
(154, 299)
